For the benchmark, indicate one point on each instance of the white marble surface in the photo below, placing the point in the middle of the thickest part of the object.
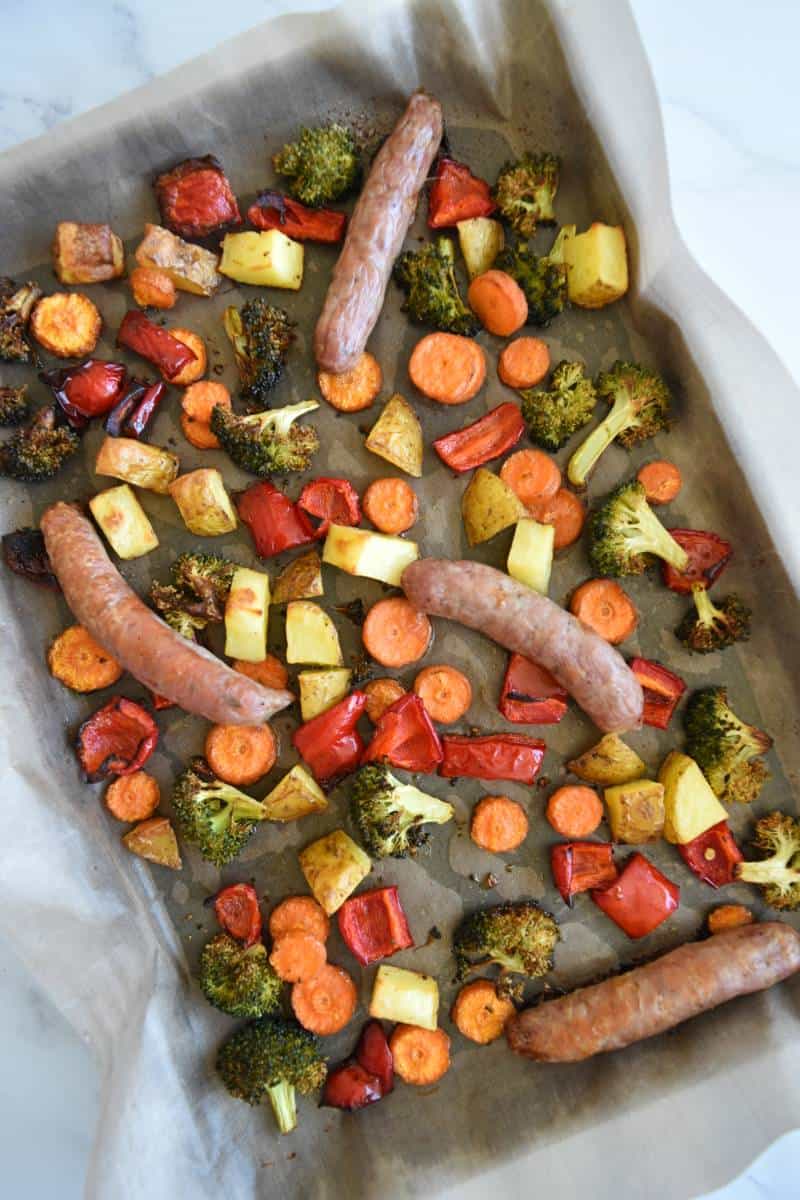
(727, 78)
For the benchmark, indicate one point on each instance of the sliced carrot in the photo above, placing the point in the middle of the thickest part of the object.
(479, 1013)
(133, 797)
(381, 694)
(604, 607)
(532, 475)
(661, 480)
(197, 368)
(395, 633)
(447, 367)
(498, 824)
(297, 956)
(391, 505)
(498, 302)
(524, 362)
(299, 913)
(729, 916)
(420, 1056)
(240, 754)
(325, 1003)
(566, 512)
(270, 672)
(152, 288)
(574, 811)
(355, 389)
(445, 692)
(197, 403)
(80, 663)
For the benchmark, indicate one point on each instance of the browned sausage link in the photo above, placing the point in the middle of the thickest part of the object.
(516, 617)
(141, 642)
(375, 235)
(651, 999)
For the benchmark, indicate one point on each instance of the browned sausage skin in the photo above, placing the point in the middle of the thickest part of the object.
(140, 641)
(516, 617)
(654, 998)
(375, 235)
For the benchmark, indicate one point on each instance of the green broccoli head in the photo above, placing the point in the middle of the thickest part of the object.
(322, 165)
(777, 873)
(542, 278)
(16, 305)
(625, 534)
(708, 626)
(389, 815)
(525, 192)
(268, 442)
(519, 937)
(239, 981)
(727, 750)
(427, 276)
(39, 449)
(212, 815)
(15, 405)
(553, 416)
(261, 335)
(272, 1058)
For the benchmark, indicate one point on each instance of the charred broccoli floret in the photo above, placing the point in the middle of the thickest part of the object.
(15, 405)
(39, 449)
(322, 165)
(707, 626)
(16, 306)
(212, 815)
(238, 981)
(525, 191)
(272, 1058)
(261, 335)
(777, 836)
(625, 534)
(520, 938)
(553, 416)
(543, 279)
(427, 276)
(197, 594)
(390, 815)
(727, 750)
(267, 442)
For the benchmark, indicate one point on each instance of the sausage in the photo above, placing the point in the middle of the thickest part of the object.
(591, 670)
(156, 655)
(375, 235)
(654, 998)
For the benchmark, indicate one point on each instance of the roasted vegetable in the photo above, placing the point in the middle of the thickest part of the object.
(553, 416)
(777, 873)
(15, 405)
(123, 521)
(662, 691)
(24, 553)
(708, 627)
(274, 521)
(530, 559)
(322, 165)
(489, 506)
(390, 815)
(456, 195)
(135, 409)
(427, 277)
(272, 1059)
(16, 305)
(154, 839)
(597, 266)
(86, 391)
(373, 925)
(263, 259)
(86, 253)
(525, 191)
(334, 866)
(261, 335)
(137, 463)
(152, 288)
(361, 552)
(404, 996)
(727, 750)
(247, 616)
(191, 268)
(625, 534)
(238, 980)
(203, 502)
(212, 815)
(196, 594)
(639, 899)
(265, 443)
(635, 811)
(396, 436)
(640, 408)
(81, 663)
(38, 450)
(690, 806)
(297, 795)
(118, 739)
(311, 636)
(543, 279)
(141, 335)
(610, 761)
(195, 198)
(273, 210)
(67, 324)
(481, 239)
(520, 938)
(301, 579)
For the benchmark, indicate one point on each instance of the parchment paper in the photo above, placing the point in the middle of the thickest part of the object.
(113, 941)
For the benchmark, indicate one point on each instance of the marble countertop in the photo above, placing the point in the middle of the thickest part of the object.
(730, 90)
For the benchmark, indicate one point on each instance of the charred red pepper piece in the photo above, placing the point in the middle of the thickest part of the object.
(274, 521)
(138, 333)
(330, 744)
(273, 210)
(24, 553)
(640, 899)
(116, 740)
(662, 691)
(713, 855)
(236, 909)
(87, 391)
(483, 440)
(581, 866)
(332, 500)
(350, 1087)
(509, 756)
(406, 737)
(133, 411)
(373, 926)
(708, 557)
(195, 198)
(457, 195)
(531, 695)
(374, 1055)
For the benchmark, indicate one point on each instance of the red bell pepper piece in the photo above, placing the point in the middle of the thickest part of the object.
(330, 744)
(332, 500)
(708, 557)
(159, 703)
(494, 756)
(373, 925)
(87, 391)
(713, 855)
(131, 414)
(640, 899)
(457, 195)
(582, 866)
(350, 1087)
(531, 695)
(116, 740)
(662, 691)
(138, 333)
(274, 521)
(273, 210)
(374, 1055)
(236, 909)
(483, 440)
(196, 199)
(406, 737)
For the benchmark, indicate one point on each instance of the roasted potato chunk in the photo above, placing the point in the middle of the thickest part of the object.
(67, 324)
(300, 579)
(86, 253)
(489, 506)
(297, 795)
(334, 867)
(138, 463)
(266, 259)
(195, 198)
(155, 840)
(610, 761)
(123, 521)
(204, 504)
(397, 436)
(635, 811)
(191, 268)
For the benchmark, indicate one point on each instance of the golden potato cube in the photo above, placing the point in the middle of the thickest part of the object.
(84, 253)
(311, 635)
(123, 521)
(320, 690)
(266, 259)
(138, 463)
(246, 616)
(300, 579)
(635, 811)
(203, 502)
(397, 436)
(489, 506)
(191, 268)
(297, 795)
(334, 867)
(155, 840)
(610, 761)
(597, 266)
(481, 240)
(690, 805)
(380, 556)
(407, 997)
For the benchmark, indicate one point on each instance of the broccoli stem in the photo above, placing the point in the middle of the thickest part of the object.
(284, 1105)
(653, 538)
(767, 873)
(706, 610)
(598, 441)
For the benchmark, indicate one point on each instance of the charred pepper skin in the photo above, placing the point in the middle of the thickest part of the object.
(196, 199)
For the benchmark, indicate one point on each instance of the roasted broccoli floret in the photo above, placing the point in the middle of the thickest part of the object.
(707, 626)
(272, 1058)
(267, 442)
(322, 165)
(212, 815)
(519, 937)
(777, 836)
(525, 191)
(197, 594)
(727, 750)
(39, 449)
(16, 306)
(261, 335)
(15, 405)
(625, 533)
(239, 981)
(390, 815)
(553, 416)
(543, 279)
(427, 276)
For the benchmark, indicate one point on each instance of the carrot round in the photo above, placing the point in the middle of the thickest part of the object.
(395, 633)
(524, 362)
(391, 505)
(661, 480)
(420, 1056)
(133, 797)
(297, 956)
(447, 367)
(445, 692)
(240, 754)
(270, 672)
(498, 302)
(197, 403)
(381, 694)
(152, 288)
(604, 607)
(325, 1003)
(299, 914)
(80, 663)
(566, 513)
(728, 916)
(532, 475)
(574, 811)
(479, 1014)
(355, 389)
(195, 369)
(498, 824)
